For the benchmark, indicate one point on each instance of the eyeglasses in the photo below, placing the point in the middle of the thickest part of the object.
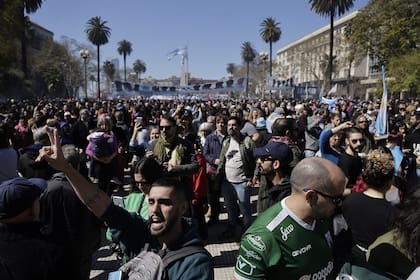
(266, 158)
(336, 200)
(166, 127)
(363, 121)
(354, 141)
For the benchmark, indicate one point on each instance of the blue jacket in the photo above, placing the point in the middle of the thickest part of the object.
(212, 148)
(135, 234)
(324, 146)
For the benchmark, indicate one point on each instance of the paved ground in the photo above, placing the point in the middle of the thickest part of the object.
(223, 252)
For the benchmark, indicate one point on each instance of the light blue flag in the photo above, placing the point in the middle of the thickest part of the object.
(330, 102)
(381, 124)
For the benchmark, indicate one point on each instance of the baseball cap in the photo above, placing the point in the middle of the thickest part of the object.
(276, 150)
(18, 194)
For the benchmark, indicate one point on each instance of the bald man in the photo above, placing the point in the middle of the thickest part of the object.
(291, 239)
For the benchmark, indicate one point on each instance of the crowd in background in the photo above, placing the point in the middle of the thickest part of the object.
(212, 147)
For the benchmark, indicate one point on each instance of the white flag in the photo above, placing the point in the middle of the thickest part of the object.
(333, 89)
(176, 52)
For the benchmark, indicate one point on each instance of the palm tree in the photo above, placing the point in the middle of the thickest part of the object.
(109, 69)
(248, 55)
(124, 49)
(28, 6)
(331, 9)
(270, 32)
(98, 34)
(231, 68)
(139, 67)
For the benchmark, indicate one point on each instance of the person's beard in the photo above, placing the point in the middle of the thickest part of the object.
(231, 132)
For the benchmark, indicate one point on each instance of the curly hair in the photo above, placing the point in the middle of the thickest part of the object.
(408, 225)
(379, 169)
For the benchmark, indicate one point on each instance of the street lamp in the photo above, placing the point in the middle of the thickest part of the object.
(84, 53)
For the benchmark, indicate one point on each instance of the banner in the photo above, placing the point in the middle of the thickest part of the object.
(121, 88)
(381, 124)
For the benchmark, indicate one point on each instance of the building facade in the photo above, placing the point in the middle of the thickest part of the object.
(306, 61)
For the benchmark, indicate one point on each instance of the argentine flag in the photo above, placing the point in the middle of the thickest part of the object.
(381, 124)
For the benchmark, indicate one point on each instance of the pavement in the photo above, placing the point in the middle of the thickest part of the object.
(223, 251)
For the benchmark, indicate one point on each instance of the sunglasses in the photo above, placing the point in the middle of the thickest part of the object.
(336, 200)
(266, 158)
(354, 141)
(363, 122)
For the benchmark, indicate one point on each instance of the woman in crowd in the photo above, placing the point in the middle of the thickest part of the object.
(398, 251)
(368, 214)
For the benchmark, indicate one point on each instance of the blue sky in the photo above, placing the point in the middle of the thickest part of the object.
(213, 30)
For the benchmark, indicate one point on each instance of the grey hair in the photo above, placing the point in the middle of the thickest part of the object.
(71, 154)
(40, 136)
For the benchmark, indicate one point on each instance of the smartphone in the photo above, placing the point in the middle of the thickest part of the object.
(118, 200)
(115, 275)
(139, 119)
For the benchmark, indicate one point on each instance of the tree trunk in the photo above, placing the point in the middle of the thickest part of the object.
(99, 70)
(247, 79)
(24, 62)
(125, 73)
(271, 59)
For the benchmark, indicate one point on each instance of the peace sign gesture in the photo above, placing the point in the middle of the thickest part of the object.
(53, 153)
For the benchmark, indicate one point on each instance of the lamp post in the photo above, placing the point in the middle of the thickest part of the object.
(84, 55)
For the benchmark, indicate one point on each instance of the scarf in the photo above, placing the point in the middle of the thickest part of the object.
(170, 152)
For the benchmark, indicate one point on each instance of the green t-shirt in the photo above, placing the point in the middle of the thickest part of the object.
(278, 245)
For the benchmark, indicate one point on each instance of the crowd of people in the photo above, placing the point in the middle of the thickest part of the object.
(333, 196)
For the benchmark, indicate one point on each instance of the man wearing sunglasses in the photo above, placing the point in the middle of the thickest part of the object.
(350, 162)
(291, 239)
(274, 163)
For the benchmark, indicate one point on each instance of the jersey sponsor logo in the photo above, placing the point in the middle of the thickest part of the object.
(302, 250)
(320, 275)
(250, 253)
(256, 242)
(244, 266)
(286, 231)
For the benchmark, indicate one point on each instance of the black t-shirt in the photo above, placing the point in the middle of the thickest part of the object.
(351, 166)
(367, 217)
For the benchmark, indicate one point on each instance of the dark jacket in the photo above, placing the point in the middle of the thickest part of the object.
(135, 234)
(68, 224)
(80, 132)
(24, 255)
(212, 148)
(29, 168)
(246, 146)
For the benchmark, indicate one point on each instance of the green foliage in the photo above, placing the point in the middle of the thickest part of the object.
(98, 34)
(406, 73)
(270, 32)
(231, 68)
(328, 8)
(139, 66)
(248, 55)
(109, 69)
(387, 28)
(331, 9)
(124, 49)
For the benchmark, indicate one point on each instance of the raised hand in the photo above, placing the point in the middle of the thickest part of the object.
(53, 154)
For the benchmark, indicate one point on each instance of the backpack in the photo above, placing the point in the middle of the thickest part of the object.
(149, 265)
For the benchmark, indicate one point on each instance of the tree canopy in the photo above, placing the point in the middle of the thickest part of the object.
(390, 32)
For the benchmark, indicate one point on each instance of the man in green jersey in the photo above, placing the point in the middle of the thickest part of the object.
(291, 239)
